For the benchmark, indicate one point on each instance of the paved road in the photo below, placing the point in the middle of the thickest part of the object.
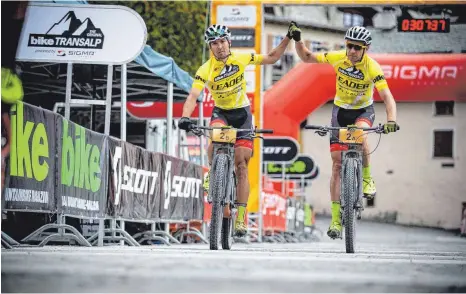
(389, 259)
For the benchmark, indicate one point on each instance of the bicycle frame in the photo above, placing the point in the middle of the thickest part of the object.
(350, 177)
(230, 191)
(354, 152)
(222, 194)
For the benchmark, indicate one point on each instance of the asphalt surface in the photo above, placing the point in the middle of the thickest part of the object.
(388, 258)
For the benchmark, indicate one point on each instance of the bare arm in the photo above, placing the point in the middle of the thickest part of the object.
(304, 53)
(390, 103)
(190, 103)
(276, 53)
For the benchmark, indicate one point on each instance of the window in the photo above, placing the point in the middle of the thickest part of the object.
(350, 20)
(443, 143)
(444, 107)
(317, 46)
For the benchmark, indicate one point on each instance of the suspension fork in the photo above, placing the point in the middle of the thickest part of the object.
(352, 153)
(229, 151)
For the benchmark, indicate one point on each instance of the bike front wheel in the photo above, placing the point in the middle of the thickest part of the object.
(218, 181)
(350, 196)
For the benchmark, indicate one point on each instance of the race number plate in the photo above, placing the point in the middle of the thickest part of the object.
(224, 136)
(353, 136)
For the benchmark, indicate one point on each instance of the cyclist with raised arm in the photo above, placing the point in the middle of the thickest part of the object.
(357, 74)
(223, 74)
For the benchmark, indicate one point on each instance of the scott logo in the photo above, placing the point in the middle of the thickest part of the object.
(412, 72)
(131, 179)
(179, 186)
(276, 150)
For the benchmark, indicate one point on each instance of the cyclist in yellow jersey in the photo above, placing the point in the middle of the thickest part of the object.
(357, 74)
(223, 74)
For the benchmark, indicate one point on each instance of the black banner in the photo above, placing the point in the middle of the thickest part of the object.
(182, 194)
(303, 166)
(280, 149)
(82, 165)
(243, 38)
(136, 181)
(114, 174)
(31, 170)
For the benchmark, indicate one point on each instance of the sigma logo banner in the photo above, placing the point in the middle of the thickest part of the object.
(30, 180)
(182, 192)
(136, 180)
(81, 33)
(237, 15)
(82, 170)
(245, 38)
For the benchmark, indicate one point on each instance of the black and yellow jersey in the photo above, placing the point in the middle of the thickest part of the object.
(226, 81)
(355, 83)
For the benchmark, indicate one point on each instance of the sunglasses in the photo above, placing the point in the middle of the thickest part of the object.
(356, 47)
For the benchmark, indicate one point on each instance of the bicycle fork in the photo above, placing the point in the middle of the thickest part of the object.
(358, 204)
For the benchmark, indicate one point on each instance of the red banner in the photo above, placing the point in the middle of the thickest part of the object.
(273, 211)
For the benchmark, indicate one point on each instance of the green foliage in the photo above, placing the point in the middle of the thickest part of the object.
(174, 28)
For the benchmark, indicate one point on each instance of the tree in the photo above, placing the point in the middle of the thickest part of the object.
(174, 28)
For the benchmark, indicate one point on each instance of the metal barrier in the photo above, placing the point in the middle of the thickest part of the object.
(78, 173)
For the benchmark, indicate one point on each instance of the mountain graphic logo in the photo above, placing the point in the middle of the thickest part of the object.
(227, 71)
(70, 32)
(352, 72)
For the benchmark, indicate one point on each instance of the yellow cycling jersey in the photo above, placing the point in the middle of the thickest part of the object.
(355, 83)
(226, 81)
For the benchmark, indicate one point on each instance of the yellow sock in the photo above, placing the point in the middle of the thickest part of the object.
(241, 212)
(335, 211)
(366, 172)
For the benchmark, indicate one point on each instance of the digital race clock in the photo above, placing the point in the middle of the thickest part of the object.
(424, 25)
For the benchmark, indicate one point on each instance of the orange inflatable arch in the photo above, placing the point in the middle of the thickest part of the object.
(411, 78)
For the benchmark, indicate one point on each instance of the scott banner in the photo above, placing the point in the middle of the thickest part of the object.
(31, 170)
(82, 170)
(182, 193)
(136, 181)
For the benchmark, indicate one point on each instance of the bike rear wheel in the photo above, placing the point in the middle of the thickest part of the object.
(218, 183)
(350, 196)
(227, 233)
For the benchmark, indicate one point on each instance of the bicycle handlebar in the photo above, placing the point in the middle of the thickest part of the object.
(378, 129)
(257, 131)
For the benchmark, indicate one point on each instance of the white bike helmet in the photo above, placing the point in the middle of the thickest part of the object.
(215, 32)
(360, 34)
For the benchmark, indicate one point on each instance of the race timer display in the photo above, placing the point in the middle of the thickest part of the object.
(424, 25)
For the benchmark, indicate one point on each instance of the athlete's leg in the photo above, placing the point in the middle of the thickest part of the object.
(366, 120)
(243, 153)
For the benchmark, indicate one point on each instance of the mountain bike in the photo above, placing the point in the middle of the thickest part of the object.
(351, 195)
(222, 188)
